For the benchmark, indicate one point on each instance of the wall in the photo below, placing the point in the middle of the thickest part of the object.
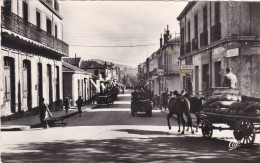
(34, 59)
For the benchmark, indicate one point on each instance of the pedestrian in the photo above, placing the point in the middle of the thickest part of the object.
(67, 103)
(44, 113)
(230, 79)
(79, 103)
(123, 90)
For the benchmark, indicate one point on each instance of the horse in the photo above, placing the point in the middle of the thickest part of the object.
(195, 107)
(179, 105)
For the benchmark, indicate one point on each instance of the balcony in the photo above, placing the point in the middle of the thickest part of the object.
(215, 32)
(195, 43)
(16, 24)
(204, 38)
(188, 47)
(182, 50)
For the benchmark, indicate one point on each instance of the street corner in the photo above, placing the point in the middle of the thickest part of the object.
(14, 128)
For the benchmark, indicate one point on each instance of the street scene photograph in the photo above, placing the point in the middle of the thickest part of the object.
(129, 81)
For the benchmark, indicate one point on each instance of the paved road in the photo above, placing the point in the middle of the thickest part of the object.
(113, 135)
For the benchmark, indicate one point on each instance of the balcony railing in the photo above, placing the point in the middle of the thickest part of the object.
(215, 32)
(16, 24)
(188, 47)
(204, 38)
(182, 50)
(195, 43)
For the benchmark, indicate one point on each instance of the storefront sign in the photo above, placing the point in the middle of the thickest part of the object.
(186, 71)
(186, 67)
(232, 52)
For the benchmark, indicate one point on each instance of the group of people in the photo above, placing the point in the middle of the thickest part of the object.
(45, 113)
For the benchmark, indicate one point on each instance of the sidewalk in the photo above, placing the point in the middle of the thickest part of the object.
(25, 123)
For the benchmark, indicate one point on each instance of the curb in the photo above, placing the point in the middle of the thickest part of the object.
(14, 128)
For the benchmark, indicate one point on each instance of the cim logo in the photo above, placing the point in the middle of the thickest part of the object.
(234, 145)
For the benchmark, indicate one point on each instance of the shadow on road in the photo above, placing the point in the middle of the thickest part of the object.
(150, 149)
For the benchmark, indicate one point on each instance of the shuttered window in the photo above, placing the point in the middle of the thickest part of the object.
(25, 80)
(7, 80)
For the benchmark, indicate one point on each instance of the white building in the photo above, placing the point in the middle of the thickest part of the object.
(31, 53)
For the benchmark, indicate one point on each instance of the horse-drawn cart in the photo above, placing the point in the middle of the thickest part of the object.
(240, 114)
(244, 127)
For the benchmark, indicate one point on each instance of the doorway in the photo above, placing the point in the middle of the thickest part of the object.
(205, 77)
(49, 77)
(27, 83)
(9, 83)
(197, 80)
(39, 83)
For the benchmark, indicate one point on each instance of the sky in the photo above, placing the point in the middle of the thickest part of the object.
(124, 32)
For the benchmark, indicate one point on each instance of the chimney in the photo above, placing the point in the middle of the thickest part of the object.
(164, 37)
(168, 32)
(161, 41)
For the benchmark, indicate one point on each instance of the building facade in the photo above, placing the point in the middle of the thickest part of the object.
(217, 35)
(31, 53)
(161, 71)
(76, 82)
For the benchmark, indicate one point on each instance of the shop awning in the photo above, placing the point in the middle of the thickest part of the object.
(95, 85)
(103, 86)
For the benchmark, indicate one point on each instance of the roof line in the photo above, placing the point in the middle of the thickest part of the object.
(185, 10)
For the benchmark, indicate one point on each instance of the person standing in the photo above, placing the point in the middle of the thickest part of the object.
(79, 103)
(67, 103)
(44, 113)
(123, 89)
(230, 79)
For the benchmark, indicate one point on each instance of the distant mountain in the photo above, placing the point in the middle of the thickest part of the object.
(116, 64)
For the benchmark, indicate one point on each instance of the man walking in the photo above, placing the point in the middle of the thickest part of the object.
(67, 103)
(230, 79)
(79, 103)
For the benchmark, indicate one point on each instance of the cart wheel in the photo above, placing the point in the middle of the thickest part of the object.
(245, 132)
(206, 128)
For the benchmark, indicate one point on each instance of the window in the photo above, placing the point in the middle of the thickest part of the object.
(96, 72)
(188, 31)
(182, 36)
(25, 11)
(56, 31)
(205, 76)
(7, 80)
(218, 74)
(205, 19)
(49, 1)
(103, 74)
(56, 5)
(217, 12)
(7, 5)
(48, 23)
(196, 25)
(38, 19)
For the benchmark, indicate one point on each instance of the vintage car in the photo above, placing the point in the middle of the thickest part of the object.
(141, 102)
(103, 100)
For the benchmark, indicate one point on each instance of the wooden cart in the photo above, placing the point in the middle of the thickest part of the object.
(245, 128)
